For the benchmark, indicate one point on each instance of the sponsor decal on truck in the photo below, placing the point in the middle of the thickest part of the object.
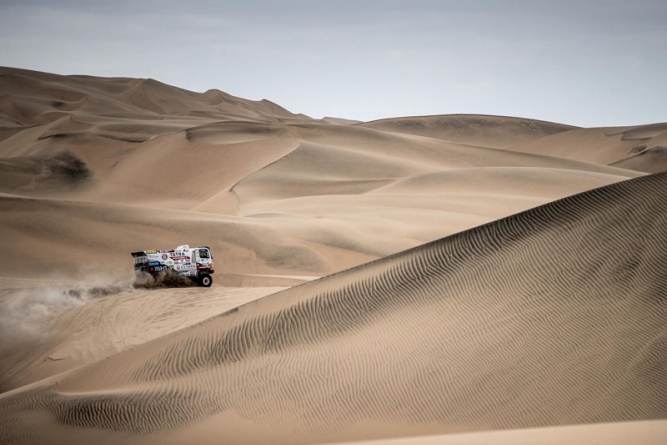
(180, 261)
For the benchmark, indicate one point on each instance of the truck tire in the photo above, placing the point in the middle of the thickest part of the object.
(205, 280)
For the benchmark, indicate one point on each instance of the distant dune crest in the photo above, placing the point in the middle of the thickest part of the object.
(489, 131)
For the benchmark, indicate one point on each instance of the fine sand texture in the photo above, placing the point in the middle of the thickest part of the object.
(621, 433)
(419, 279)
(553, 316)
(641, 148)
(111, 165)
(50, 327)
(487, 131)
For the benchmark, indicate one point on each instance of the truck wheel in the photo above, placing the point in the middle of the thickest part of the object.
(205, 280)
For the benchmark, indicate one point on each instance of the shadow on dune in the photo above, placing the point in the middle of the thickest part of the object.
(549, 317)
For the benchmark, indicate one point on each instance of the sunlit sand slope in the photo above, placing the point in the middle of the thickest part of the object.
(641, 148)
(51, 237)
(550, 317)
(32, 97)
(488, 131)
(651, 432)
(120, 165)
(50, 327)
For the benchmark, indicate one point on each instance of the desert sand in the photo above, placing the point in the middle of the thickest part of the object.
(418, 280)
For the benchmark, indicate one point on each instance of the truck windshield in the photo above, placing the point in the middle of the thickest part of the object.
(203, 253)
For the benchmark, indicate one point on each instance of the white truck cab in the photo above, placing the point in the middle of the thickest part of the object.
(195, 263)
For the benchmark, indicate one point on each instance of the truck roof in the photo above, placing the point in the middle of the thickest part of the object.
(140, 253)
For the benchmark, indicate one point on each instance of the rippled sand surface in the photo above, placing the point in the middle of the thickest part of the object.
(435, 279)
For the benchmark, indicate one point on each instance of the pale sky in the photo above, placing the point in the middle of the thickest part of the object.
(588, 63)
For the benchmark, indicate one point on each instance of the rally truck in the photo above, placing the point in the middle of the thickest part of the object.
(195, 263)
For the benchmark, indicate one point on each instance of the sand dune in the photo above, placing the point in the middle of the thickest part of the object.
(641, 148)
(92, 327)
(274, 192)
(32, 97)
(74, 239)
(648, 432)
(498, 327)
(546, 318)
(487, 131)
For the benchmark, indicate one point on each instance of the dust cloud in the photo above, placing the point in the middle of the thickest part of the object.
(27, 314)
(163, 280)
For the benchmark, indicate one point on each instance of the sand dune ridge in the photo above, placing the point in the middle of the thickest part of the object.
(459, 292)
(452, 333)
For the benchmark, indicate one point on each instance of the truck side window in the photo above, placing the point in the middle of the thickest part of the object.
(203, 253)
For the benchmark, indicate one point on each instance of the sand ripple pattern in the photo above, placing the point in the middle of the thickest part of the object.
(549, 317)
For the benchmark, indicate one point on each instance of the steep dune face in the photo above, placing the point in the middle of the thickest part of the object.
(549, 317)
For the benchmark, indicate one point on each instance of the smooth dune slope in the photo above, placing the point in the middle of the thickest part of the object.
(32, 97)
(620, 433)
(553, 316)
(641, 148)
(118, 165)
(488, 131)
(47, 237)
(50, 327)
